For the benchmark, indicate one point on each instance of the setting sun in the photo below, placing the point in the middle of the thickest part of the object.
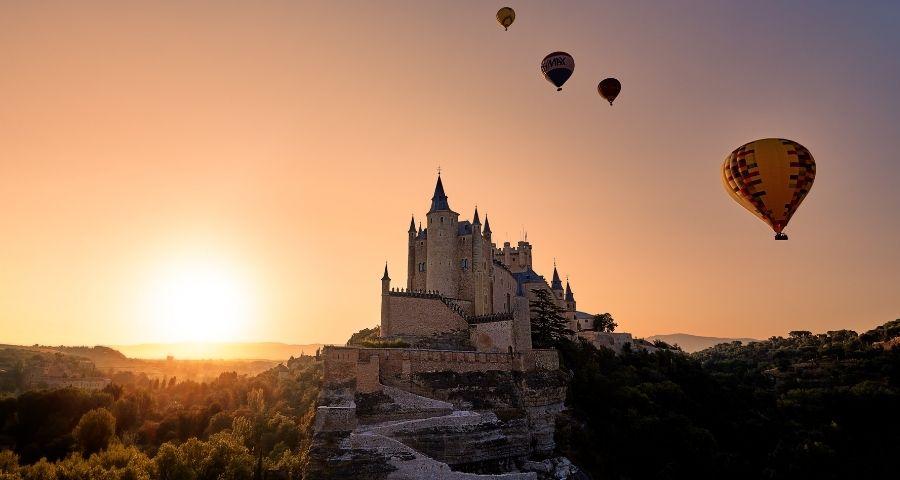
(199, 301)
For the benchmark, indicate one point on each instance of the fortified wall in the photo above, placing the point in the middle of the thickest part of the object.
(367, 370)
(432, 321)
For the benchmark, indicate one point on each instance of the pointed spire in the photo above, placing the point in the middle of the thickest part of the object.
(412, 224)
(557, 283)
(487, 226)
(439, 200)
(385, 277)
(476, 221)
(420, 228)
(570, 297)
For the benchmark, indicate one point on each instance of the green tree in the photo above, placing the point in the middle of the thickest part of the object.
(604, 322)
(95, 430)
(365, 334)
(548, 326)
(171, 464)
(9, 461)
(40, 470)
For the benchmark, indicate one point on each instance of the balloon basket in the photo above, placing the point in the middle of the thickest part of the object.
(780, 236)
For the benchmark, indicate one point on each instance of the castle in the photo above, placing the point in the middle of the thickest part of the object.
(453, 389)
(464, 292)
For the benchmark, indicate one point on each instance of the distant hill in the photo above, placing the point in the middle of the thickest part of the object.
(224, 351)
(694, 343)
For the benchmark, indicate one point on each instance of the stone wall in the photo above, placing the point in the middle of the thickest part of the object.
(411, 316)
(521, 324)
(504, 290)
(395, 366)
(367, 376)
(493, 336)
(335, 419)
(340, 365)
(610, 340)
(398, 365)
(541, 359)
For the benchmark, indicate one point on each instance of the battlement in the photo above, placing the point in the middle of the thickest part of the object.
(521, 247)
(517, 258)
(494, 317)
(431, 294)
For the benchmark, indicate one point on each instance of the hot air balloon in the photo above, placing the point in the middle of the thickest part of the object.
(609, 89)
(505, 17)
(770, 178)
(557, 68)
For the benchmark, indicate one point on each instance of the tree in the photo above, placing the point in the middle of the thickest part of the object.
(604, 322)
(95, 429)
(365, 334)
(9, 462)
(548, 326)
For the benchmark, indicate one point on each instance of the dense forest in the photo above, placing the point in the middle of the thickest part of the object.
(806, 406)
(233, 427)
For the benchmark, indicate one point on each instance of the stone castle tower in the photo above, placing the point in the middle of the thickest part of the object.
(459, 281)
(452, 258)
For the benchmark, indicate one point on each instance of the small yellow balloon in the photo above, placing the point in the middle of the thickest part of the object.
(505, 17)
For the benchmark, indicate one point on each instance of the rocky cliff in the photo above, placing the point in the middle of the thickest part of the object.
(443, 425)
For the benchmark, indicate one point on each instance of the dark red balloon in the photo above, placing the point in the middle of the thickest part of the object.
(609, 89)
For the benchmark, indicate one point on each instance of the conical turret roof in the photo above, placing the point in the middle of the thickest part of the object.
(439, 200)
(557, 283)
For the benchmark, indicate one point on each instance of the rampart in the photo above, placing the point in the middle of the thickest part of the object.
(372, 367)
(425, 320)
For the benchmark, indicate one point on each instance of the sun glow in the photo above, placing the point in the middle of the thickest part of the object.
(199, 301)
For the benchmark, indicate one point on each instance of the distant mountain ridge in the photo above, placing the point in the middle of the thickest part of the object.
(225, 350)
(694, 343)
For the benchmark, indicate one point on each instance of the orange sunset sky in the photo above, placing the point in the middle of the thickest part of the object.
(221, 171)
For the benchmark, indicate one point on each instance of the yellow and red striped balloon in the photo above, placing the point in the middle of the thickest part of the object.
(770, 178)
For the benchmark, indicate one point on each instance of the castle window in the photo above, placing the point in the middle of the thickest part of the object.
(442, 219)
(464, 263)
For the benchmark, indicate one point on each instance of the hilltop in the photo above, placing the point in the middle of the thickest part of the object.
(39, 366)
(694, 343)
(225, 351)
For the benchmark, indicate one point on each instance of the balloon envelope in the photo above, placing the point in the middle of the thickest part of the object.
(609, 89)
(770, 178)
(505, 17)
(557, 68)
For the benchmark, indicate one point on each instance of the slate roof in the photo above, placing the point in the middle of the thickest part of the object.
(528, 276)
(439, 200)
